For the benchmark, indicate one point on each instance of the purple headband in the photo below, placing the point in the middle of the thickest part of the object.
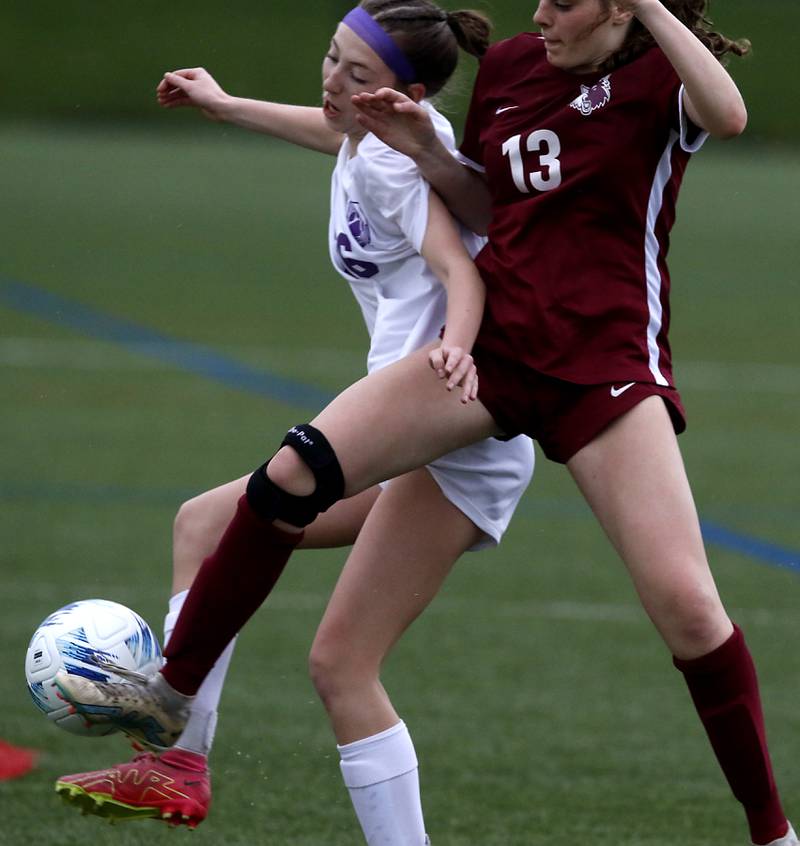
(371, 32)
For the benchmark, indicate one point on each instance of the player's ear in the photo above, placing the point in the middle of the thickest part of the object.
(619, 16)
(416, 91)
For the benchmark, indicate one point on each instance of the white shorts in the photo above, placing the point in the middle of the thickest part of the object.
(485, 481)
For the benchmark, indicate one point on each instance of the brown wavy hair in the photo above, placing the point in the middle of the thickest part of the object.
(694, 15)
(430, 36)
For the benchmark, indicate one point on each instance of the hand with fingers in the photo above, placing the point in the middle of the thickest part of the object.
(396, 119)
(456, 366)
(192, 87)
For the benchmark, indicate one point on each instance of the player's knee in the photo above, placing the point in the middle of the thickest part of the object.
(188, 518)
(302, 479)
(320, 671)
(329, 666)
(191, 527)
(696, 621)
(703, 622)
(290, 473)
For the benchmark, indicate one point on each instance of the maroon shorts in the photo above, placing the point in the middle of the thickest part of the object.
(562, 416)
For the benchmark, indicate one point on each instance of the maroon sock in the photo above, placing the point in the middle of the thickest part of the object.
(230, 586)
(724, 689)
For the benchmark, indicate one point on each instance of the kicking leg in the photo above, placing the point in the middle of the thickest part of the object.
(202, 520)
(183, 794)
(633, 477)
(381, 427)
(198, 528)
(388, 423)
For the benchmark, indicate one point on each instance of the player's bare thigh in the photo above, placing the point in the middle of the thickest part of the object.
(397, 419)
(633, 476)
(202, 520)
(407, 547)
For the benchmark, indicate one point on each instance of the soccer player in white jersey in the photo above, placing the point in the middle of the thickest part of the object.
(577, 138)
(408, 264)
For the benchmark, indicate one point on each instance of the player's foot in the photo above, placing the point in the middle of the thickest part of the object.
(147, 709)
(788, 839)
(173, 787)
(15, 761)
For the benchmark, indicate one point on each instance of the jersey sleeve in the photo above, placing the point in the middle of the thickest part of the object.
(692, 137)
(671, 88)
(398, 192)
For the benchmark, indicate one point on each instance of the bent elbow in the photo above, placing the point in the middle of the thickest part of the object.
(733, 124)
(741, 121)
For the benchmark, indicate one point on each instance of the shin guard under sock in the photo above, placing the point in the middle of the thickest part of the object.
(230, 586)
(724, 689)
(381, 775)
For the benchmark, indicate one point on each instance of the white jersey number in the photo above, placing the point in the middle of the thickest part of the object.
(544, 143)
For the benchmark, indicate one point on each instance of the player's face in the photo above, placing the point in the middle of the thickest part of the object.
(580, 34)
(350, 67)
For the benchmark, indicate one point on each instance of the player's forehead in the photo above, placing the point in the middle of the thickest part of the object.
(353, 49)
(582, 5)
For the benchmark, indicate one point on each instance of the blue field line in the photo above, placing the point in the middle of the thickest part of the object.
(765, 551)
(141, 340)
(209, 364)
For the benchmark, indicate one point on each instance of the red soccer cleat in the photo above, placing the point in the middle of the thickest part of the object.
(15, 761)
(174, 787)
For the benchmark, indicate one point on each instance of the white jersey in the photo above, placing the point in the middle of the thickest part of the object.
(379, 216)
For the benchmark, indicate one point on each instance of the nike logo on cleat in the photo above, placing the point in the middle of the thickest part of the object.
(615, 392)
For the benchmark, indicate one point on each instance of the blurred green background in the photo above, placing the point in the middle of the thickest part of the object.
(544, 708)
(97, 60)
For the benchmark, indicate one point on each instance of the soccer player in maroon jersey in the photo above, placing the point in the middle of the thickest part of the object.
(575, 145)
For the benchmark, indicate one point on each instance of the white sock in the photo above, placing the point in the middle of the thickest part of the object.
(382, 776)
(198, 734)
(788, 839)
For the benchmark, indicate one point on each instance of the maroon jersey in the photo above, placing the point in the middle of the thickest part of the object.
(584, 171)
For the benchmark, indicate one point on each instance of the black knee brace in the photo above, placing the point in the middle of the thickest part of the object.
(273, 503)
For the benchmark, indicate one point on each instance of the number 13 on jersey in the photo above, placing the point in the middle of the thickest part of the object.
(545, 145)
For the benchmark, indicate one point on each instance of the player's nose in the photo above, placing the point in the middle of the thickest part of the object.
(540, 17)
(332, 81)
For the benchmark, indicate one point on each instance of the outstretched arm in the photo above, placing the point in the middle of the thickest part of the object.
(712, 100)
(403, 124)
(302, 125)
(445, 253)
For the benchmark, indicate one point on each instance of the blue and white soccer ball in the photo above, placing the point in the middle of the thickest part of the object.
(71, 639)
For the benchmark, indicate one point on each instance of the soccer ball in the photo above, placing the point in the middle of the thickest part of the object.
(70, 639)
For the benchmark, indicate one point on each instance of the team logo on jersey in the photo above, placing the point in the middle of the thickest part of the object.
(591, 99)
(358, 224)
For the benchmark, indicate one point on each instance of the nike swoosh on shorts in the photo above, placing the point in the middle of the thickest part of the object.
(615, 392)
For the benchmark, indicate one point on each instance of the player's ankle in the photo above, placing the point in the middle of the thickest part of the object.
(169, 692)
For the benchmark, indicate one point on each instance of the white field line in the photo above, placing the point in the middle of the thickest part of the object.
(567, 610)
(80, 354)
